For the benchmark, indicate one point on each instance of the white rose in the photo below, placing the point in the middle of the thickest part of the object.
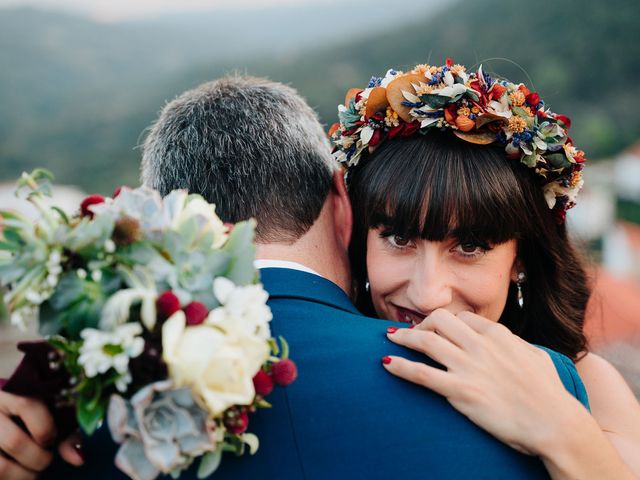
(243, 307)
(218, 367)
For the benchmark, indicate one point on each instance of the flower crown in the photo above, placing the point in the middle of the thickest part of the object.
(477, 108)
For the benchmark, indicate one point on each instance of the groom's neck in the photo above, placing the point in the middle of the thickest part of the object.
(321, 255)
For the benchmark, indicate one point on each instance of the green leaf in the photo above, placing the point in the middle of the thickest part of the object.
(242, 250)
(435, 100)
(273, 344)
(90, 235)
(62, 214)
(76, 303)
(529, 160)
(4, 311)
(38, 181)
(285, 347)
(90, 413)
(263, 404)
(209, 463)
(557, 160)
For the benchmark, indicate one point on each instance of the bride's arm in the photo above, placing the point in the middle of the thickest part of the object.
(511, 389)
(614, 406)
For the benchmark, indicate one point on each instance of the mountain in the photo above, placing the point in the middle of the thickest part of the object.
(77, 95)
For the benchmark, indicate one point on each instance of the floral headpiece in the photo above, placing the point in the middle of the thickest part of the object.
(477, 108)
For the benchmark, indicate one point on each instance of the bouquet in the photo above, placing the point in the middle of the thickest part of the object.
(153, 318)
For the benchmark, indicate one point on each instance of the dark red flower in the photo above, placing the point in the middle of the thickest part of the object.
(263, 383)
(395, 131)
(375, 138)
(238, 423)
(167, 304)
(564, 119)
(41, 375)
(410, 129)
(195, 312)
(284, 372)
(533, 99)
(94, 199)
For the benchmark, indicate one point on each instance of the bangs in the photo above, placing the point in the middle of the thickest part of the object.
(437, 186)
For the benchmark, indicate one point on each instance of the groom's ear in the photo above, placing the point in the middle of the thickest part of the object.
(342, 215)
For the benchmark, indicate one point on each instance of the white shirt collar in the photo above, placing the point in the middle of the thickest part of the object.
(283, 264)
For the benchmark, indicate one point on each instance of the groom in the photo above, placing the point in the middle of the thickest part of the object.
(256, 149)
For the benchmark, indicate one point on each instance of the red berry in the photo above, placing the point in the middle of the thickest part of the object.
(195, 312)
(263, 383)
(94, 199)
(237, 424)
(117, 191)
(167, 304)
(284, 372)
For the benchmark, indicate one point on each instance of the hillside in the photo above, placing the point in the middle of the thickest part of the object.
(80, 108)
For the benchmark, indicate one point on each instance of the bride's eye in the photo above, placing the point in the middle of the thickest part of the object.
(472, 249)
(396, 241)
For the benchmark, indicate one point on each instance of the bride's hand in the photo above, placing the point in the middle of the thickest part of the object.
(500, 382)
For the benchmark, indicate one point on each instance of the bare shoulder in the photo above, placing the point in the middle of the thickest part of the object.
(613, 404)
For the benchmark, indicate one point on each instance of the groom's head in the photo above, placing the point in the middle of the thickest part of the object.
(251, 146)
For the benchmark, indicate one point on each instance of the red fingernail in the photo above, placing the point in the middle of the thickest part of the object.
(386, 360)
(78, 448)
(391, 330)
(412, 326)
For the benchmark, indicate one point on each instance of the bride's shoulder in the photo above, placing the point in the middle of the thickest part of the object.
(612, 401)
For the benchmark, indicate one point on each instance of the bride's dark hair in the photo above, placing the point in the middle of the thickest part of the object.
(435, 186)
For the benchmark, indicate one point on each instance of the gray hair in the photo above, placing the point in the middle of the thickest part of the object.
(251, 146)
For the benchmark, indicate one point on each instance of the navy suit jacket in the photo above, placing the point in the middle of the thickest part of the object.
(345, 417)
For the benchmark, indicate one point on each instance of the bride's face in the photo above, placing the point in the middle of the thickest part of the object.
(410, 278)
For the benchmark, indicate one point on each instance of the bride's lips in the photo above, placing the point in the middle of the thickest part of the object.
(406, 315)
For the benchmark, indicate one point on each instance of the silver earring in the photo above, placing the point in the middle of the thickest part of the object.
(519, 282)
(367, 286)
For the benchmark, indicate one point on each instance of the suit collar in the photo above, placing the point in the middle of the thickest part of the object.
(289, 283)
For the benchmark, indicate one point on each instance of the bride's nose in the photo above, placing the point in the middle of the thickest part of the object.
(429, 286)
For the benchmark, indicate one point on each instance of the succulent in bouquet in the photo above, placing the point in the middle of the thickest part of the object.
(153, 317)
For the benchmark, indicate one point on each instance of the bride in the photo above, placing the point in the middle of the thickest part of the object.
(460, 184)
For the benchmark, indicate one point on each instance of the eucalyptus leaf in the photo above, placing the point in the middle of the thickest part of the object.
(209, 463)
